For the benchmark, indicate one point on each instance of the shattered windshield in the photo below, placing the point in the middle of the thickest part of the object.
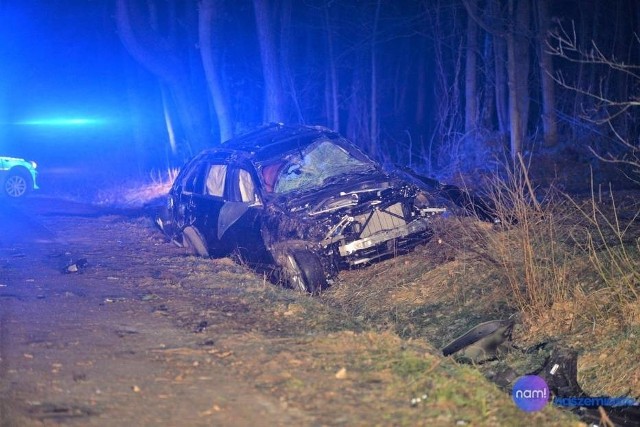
(314, 168)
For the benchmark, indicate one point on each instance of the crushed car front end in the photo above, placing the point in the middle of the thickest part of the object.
(359, 219)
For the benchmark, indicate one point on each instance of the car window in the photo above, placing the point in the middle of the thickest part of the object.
(194, 179)
(316, 167)
(247, 187)
(243, 187)
(215, 180)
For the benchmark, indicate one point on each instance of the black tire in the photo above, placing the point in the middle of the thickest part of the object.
(303, 271)
(17, 185)
(193, 241)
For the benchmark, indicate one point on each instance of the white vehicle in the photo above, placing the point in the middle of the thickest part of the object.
(17, 176)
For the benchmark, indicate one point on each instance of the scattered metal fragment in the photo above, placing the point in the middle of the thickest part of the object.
(113, 299)
(482, 342)
(76, 267)
(121, 333)
(202, 326)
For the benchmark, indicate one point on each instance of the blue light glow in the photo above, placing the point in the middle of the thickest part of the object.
(62, 122)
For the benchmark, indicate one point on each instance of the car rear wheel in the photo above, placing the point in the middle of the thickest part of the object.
(16, 185)
(194, 242)
(303, 271)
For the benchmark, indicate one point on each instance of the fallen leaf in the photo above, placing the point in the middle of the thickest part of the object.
(341, 374)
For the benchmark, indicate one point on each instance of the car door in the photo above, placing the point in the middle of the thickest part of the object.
(240, 219)
(198, 201)
(222, 201)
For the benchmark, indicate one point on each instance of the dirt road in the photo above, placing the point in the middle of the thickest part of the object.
(84, 347)
(145, 335)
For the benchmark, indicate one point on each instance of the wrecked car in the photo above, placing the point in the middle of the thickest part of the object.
(300, 201)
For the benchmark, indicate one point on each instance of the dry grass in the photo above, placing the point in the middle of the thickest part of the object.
(135, 193)
(107, 189)
(608, 364)
(612, 243)
(572, 269)
(558, 257)
(569, 270)
(530, 252)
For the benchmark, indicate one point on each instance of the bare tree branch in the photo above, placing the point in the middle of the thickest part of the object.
(562, 43)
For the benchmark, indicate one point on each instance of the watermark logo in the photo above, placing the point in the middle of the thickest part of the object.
(530, 393)
(595, 401)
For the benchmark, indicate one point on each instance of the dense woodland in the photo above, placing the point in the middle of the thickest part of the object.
(441, 85)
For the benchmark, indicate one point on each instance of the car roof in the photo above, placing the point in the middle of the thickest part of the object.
(273, 141)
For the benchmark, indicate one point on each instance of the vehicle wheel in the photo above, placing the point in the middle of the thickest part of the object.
(303, 271)
(194, 242)
(16, 185)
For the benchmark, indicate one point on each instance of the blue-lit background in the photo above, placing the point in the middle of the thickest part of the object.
(71, 97)
(391, 76)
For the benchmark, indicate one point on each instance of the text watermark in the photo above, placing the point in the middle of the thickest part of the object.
(531, 393)
(595, 401)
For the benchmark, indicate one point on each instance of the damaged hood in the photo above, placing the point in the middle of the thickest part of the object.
(348, 191)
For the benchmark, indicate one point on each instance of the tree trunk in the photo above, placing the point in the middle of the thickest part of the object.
(549, 119)
(374, 84)
(514, 114)
(274, 108)
(470, 91)
(358, 119)
(160, 57)
(421, 88)
(580, 74)
(168, 121)
(288, 82)
(209, 53)
(471, 86)
(487, 107)
(333, 112)
(521, 63)
(500, 70)
(621, 51)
